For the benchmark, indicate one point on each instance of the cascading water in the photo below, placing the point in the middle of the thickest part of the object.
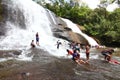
(52, 17)
(23, 27)
(35, 20)
(75, 29)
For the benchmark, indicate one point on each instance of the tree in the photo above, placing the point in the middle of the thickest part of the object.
(105, 3)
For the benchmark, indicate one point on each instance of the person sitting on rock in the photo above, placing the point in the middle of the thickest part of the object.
(32, 44)
(107, 54)
(76, 57)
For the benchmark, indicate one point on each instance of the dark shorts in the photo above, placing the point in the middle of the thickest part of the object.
(105, 53)
(37, 39)
(87, 54)
(32, 45)
(73, 59)
(78, 49)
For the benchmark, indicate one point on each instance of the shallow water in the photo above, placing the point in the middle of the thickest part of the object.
(47, 67)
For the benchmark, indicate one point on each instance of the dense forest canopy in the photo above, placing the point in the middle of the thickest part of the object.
(98, 23)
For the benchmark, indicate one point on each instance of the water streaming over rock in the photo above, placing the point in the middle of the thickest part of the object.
(75, 29)
(24, 18)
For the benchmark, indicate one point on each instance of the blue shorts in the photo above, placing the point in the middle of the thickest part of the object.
(37, 39)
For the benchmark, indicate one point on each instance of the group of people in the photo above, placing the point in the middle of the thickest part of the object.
(75, 52)
(37, 41)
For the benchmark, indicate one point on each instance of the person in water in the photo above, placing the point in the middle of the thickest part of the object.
(107, 54)
(32, 44)
(70, 52)
(87, 48)
(75, 56)
(77, 46)
(58, 44)
(37, 38)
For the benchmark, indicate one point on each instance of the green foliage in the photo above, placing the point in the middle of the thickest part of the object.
(105, 3)
(98, 23)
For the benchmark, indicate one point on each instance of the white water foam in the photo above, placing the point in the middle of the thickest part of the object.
(5, 59)
(91, 41)
(75, 29)
(36, 21)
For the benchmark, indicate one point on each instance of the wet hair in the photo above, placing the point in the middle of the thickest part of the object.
(112, 50)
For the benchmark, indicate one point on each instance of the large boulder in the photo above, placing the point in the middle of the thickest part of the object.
(61, 30)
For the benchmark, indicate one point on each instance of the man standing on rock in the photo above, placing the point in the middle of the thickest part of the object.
(32, 44)
(37, 39)
(87, 52)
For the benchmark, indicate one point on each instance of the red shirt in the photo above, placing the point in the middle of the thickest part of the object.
(70, 52)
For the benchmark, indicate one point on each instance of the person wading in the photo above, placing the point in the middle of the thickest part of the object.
(87, 52)
(37, 38)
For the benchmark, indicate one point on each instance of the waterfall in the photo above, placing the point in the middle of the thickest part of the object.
(25, 18)
(52, 18)
(75, 29)
(35, 19)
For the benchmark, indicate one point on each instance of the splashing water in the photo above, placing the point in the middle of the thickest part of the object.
(36, 20)
(74, 28)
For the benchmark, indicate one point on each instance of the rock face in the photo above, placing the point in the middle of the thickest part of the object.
(66, 33)
(10, 14)
(60, 30)
(9, 53)
(13, 14)
(2, 15)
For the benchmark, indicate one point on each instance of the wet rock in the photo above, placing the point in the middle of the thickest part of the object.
(67, 29)
(62, 31)
(9, 53)
(13, 14)
(47, 67)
